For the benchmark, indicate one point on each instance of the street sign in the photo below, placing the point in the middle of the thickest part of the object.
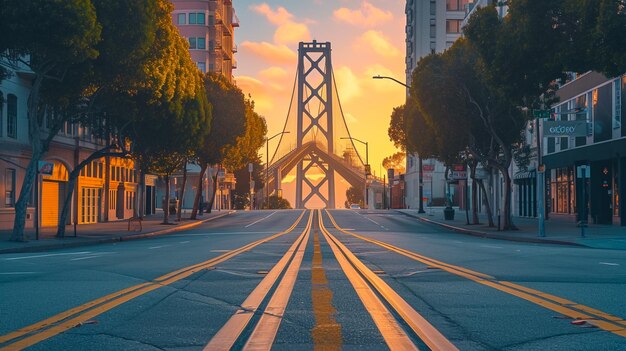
(541, 113)
(459, 175)
(250, 165)
(390, 174)
(428, 168)
(565, 128)
(368, 169)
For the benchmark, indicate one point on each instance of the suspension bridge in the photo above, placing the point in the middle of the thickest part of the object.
(315, 142)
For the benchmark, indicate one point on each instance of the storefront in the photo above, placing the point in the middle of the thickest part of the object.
(526, 183)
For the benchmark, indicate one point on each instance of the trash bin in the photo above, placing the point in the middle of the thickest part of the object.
(448, 214)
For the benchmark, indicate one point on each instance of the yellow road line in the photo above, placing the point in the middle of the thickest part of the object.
(264, 333)
(66, 320)
(426, 331)
(326, 332)
(605, 321)
(230, 332)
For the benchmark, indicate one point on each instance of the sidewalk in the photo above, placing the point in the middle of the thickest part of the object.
(98, 233)
(559, 230)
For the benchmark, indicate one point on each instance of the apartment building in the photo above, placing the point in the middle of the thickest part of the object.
(105, 190)
(431, 26)
(209, 26)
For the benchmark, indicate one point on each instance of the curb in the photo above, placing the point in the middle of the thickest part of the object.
(486, 235)
(112, 239)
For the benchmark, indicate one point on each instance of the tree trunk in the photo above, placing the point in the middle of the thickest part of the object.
(19, 223)
(141, 198)
(198, 197)
(508, 220)
(166, 206)
(182, 192)
(487, 204)
(475, 219)
(71, 183)
(212, 199)
(39, 149)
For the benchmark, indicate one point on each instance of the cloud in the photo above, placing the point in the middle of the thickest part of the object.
(347, 84)
(291, 32)
(263, 100)
(288, 31)
(278, 17)
(274, 54)
(367, 15)
(377, 42)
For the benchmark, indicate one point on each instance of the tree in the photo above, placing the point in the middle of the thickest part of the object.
(397, 130)
(50, 38)
(241, 192)
(396, 161)
(228, 123)
(129, 51)
(278, 203)
(354, 195)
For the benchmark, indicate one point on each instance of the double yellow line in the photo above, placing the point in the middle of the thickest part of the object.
(395, 337)
(265, 330)
(47, 328)
(600, 319)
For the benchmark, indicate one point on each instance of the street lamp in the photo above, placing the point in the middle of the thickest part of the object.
(367, 164)
(267, 165)
(419, 159)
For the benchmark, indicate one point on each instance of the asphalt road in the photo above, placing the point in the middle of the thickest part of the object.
(283, 280)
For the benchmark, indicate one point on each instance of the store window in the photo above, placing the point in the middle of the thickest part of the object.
(12, 116)
(563, 191)
(9, 187)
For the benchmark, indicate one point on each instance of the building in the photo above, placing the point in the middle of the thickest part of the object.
(106, 189)
(431, 26)
(586, 167)
(209, 26)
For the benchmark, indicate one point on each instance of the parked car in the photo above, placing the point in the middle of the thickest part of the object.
(355, 207)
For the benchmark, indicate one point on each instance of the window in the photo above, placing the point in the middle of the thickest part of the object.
(192, 18)
(211, 20)
(433, 8)
(12, 116)
(192, 43)
(433, 29)
(201, 66)
(112, 199)
(9, 187)
(201, 43)
(453, 26)
(456, 5)
(211, 45)
(617, 119)
(200, 18)
(182, 18)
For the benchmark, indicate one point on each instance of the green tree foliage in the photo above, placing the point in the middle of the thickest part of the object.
(228, 124)
(397, 128)
(397, 161)
(278, 203)
(51, 38)
(354, 195)
(247, 145)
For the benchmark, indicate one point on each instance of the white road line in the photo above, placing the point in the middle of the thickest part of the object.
(257, 221)
(373, 221)
(609, 264)
(84, 258)
(48, 255)
(15, 273)
(491, 246)
(185, 242)
(157, 247)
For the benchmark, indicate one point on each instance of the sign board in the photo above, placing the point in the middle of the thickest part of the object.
(390, 173)
(45, 168)
(458, 175)
(565, 128)
(428, 168)
(250, 165)
(541, 113)
(368, 169)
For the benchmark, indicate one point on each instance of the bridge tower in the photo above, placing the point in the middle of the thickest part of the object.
(315, 119)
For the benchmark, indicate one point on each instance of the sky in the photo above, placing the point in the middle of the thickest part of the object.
(367, 39)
